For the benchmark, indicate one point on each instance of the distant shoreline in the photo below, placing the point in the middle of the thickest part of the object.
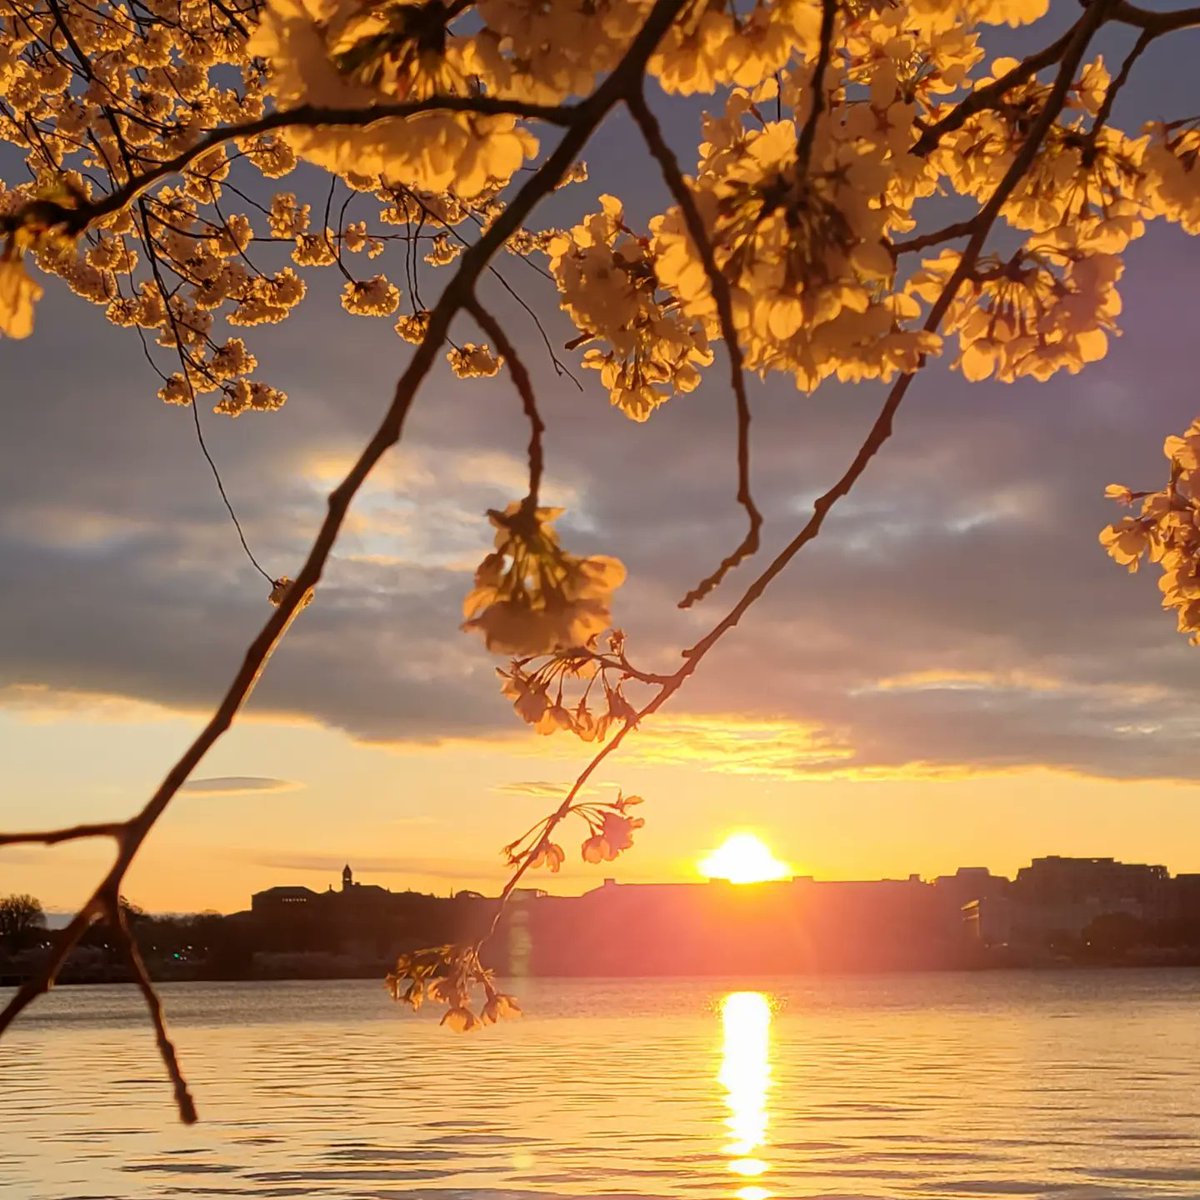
(316, 975)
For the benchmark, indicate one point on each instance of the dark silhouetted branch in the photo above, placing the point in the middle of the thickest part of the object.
(457, 295)
(879, 433)
(993, 94)
(1156, 23)
(1114, 88)
(72, 833)
(166, 1048)
(808, 133)
(678, 187)
(524, 385)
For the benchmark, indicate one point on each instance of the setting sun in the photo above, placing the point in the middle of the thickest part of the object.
(743, 858)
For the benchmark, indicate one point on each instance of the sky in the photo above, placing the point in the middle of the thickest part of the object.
(953, 674)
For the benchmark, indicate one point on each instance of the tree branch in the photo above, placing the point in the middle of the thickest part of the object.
(880, 431)
(935, 237)
(808, 133)
(458, 293)
(524, 385)
(43, 978)
(1113, 89)
(74, 220)
(166, 1048)
(52, 837)
(1156, 23)
(677, 185)
(991, 95)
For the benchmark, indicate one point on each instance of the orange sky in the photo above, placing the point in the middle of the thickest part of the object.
(954, 674)
(434, 817)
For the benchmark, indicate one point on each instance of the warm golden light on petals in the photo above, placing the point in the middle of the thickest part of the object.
(18, 296)
(1166, 531)
(532, 597)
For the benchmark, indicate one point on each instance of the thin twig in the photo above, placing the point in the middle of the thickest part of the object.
(128, 946)
(1113, 90)
(524, 386)
(677, 185)
(151, 248)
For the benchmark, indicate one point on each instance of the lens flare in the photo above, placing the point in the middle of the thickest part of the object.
(746, 1076)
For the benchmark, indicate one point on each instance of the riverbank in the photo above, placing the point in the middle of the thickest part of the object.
(267, 967)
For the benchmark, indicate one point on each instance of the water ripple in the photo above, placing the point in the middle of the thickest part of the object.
(1063, 1085)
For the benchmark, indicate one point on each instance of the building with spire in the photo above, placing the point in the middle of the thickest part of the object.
(279, 901)
(366, 916)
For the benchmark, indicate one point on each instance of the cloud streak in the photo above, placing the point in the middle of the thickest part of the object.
(238, 785)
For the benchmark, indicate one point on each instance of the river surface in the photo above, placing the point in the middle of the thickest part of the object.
(1073, 1085)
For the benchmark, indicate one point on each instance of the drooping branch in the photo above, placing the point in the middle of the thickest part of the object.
(128, 947)
(524, 386)
(678, 187)
(878, 435)
(292, 599)
(881, 430)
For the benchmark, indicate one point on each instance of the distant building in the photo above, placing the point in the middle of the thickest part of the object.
(1055, 908)
(1057, 880)
(282, 899)
(968, 884)
(718, 927)
(276, 900)
(1054, 901)
(366, 918)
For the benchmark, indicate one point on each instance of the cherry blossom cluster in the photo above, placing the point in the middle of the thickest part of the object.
(610, 832)
(530, 595)
(1166, 530)
(805, 210)
(97, 96)
(560, 691)
(650, 349)
(452, 976)
(1033, 315)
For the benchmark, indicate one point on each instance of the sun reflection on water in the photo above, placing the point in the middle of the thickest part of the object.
(746, 1076)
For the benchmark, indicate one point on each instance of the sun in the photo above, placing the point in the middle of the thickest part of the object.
(743, 858)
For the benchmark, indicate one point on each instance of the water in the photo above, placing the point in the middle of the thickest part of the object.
(1072, 1085)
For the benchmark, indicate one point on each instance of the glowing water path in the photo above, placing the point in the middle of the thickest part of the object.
(746, 1076)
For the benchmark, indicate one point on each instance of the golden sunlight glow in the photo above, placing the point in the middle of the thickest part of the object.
(746, 1076)
(743, 858)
